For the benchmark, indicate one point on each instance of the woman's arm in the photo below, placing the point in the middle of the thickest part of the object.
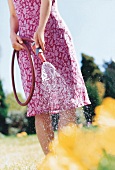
(44, 12)
(44, 15)
(15, 39)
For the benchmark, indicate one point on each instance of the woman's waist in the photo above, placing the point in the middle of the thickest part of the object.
(32, 23)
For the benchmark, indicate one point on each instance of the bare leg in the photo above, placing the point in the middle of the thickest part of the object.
(67, 117)
(44, 130)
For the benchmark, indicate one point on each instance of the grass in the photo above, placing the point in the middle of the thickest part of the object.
(22, 153)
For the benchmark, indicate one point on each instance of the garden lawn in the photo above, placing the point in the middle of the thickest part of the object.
(22, 153)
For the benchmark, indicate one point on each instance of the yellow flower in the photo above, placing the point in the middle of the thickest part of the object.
(82, 149)
(105, 113)
(24, 133)
(19, 135)
(108, 140)
(74, 147)
(60, 162)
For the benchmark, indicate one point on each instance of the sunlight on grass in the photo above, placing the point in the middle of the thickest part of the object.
(73, 148)
(20, 153)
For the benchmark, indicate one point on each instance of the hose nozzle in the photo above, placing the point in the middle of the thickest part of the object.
(39, 52)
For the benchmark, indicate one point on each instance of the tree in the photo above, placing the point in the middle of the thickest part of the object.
(101, 89)
(30, 129)
(91, 74)
(95, 101)
(12, 103)
(16, 114)
(3, 110)
(3, 105)
(89, 69)
(109, 79)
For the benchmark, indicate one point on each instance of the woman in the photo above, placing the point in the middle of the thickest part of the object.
(40, 20)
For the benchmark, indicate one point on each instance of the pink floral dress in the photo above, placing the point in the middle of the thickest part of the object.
(59, 51)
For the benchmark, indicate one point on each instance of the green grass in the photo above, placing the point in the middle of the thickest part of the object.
(22, 153)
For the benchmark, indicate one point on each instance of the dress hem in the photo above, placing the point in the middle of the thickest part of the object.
(58, 111)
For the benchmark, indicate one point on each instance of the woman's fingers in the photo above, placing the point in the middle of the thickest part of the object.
(19, 39)
(37, 45)
(42, 45)
(17, 42)
(17, 46)
(39, 40)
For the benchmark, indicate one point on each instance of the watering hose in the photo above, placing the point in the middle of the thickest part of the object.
(38, 52)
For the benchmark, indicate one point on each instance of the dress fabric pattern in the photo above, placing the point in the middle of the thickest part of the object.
(59, 51)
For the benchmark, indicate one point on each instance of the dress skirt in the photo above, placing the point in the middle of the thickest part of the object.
(70, 89)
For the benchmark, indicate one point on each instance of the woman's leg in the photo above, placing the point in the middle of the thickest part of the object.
(44, 130)
(67, 117)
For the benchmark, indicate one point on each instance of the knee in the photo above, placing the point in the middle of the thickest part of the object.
(69, 113)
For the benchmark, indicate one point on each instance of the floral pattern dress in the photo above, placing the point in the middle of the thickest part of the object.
(60, 52)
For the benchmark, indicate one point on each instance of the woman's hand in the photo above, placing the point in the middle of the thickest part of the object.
(45, 10)
(16, 42)
(39, 38)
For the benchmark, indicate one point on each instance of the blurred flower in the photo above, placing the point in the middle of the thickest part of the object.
(105, 113)
(58, 162)
(80, 148)
(74, 148)
(22, 134)
(108, 140)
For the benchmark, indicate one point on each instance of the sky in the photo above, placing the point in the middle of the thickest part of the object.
(92, 26)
